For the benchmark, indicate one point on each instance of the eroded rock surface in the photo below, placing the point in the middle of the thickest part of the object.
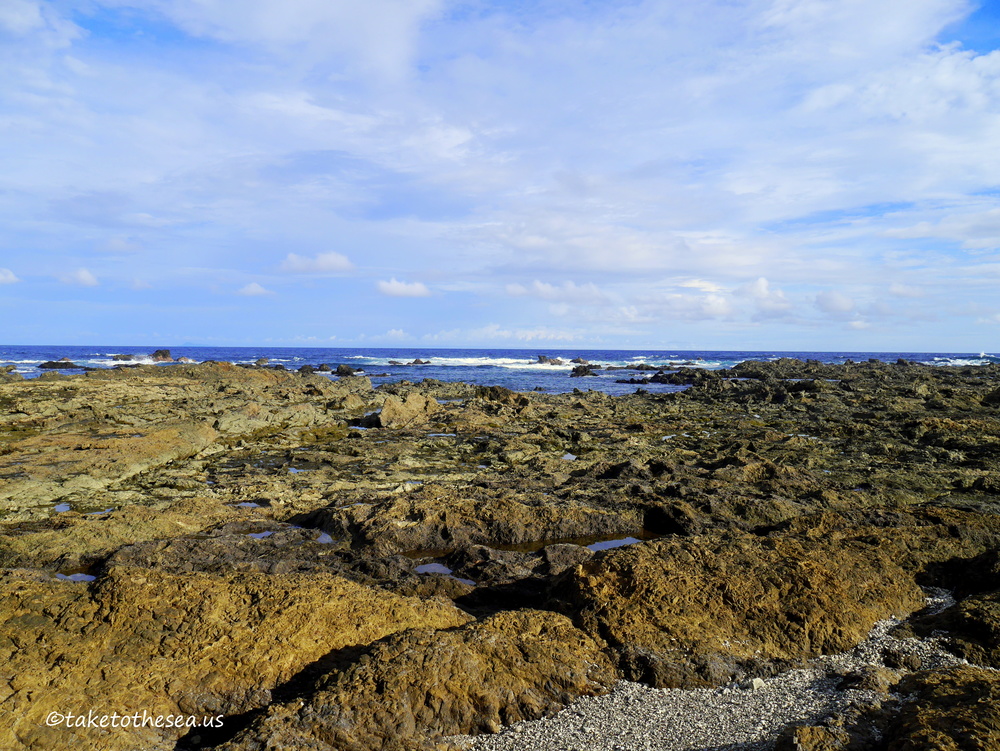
(195, 644)
(698, 611)
(412, 688)
(321, 562)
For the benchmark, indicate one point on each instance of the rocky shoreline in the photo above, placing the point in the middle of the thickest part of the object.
(321, 564)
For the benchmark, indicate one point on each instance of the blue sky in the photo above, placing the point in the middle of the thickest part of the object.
(718, 174)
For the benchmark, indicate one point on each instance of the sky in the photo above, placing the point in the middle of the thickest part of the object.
(669, 174)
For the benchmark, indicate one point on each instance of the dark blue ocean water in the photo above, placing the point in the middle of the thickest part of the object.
(516, 369)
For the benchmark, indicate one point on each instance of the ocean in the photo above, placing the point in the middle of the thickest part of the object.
(516, 369)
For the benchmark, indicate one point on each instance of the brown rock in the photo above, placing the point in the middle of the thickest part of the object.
(86, 463)
(412, 688)
(870, 678)
(690, 612)
(813, 738)
(435, 517)
(191, 644)
(954, 710)
(972, 627)
(414, 409)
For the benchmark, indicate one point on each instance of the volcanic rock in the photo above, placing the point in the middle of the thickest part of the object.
(414, 410)
(192, 645)
(696, 611)
(405, 691)
(952, 710)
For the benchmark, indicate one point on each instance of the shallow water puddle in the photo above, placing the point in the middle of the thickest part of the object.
(432, 568)
(609, 544)
(593, 542)
(440, 568)
(76, 577)
(260, 535)
(596, 543)
(568, 457)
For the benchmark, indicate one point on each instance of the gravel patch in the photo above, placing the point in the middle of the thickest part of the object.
(747, 716)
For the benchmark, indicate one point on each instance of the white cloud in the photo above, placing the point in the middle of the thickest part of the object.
(828, 144)
(497, 332)
(394, 288)
(833, 302)
(324, 263)
(379, 34)
(20, 16)
(566, 292)
(253, 290)
(121, 244)
(905, 290)
(7, 277)
(701, 284)
(82, 277)
(971, 229)
(716, 306)
(769, 302)
(140, 284)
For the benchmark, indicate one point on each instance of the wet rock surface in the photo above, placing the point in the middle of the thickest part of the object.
(320, 563)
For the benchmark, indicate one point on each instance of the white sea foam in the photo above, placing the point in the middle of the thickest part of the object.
(525, 363)
(110, 362)
(962, 361)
